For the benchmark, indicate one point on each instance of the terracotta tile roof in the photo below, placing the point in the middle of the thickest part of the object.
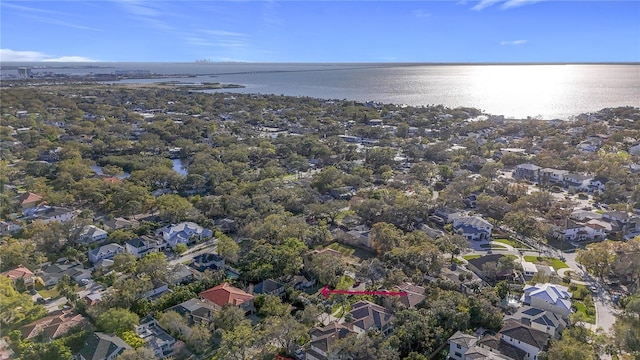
(28, 198)
(226, 294)
(20, 272)
(53, 326)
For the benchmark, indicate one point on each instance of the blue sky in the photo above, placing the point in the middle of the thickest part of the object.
(321, 31)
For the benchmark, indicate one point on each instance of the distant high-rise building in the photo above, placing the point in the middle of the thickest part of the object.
(24, 72)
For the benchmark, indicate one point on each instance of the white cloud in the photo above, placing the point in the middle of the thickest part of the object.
(506, 4)
(223, 33)
(513, 42)
(516, 3)
(35, 56)
(484, 4)
(421, 14)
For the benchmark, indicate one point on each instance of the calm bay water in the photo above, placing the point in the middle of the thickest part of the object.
(546, 91)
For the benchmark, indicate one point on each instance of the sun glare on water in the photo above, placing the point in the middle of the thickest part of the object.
(542, 87)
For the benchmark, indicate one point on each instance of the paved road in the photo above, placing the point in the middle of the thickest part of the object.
(205, 247)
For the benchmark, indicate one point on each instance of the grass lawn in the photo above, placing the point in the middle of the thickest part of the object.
(344, 250)
(471, 257)
(554, 263)
(582, 308)
(514, 243)
(492, 246)
(51, 293)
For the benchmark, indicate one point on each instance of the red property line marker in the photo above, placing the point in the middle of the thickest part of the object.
(326, 292)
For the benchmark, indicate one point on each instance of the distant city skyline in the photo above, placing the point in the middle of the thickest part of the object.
(321, 31)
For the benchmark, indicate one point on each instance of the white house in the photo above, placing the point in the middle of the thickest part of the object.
(143, 245)
(459, 344)
(552, 175)
(550, 297)
(525, 338)
(104, 252)
(545, 321)
(185, 233)
(48, 214)
(155, 338)
(90, 234)
(577, 182)
(473, 227)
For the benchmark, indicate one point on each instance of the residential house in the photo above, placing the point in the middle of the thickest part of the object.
(144, 245)
(226, 294)
(550, 297)
(445, 215)
(195, 311)
(159, 288)
(225, 225)
(415, 295)
(323, 340)
(21, 274)
(8, 227)
(473, 227)
(29, 200)
(593, 230)
(6, 353)
(269, 287)
(155, 338)
(53, 326)
(431, 232)
(356, 236)
(51, 273)
(181, 274)
(121, 223)
(523, 337)
(91, 234)
(369, 316)
(577, 182)
(48, 214)
(108, 251)
(300, 282)
(549, 176)
(100, 346)
(185, 233)
(527, 171)
(542, 320)
(467, 347)
(209, 261)
(481, 267)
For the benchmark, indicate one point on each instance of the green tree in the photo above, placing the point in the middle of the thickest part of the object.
(175, 208)
(237, 344)
(175, 324)
(141, 353)
(116, 321)
(284, 331)
(227, 318)
(271, 305)
(180, 248)
(227, 248)
(16, 308)
(54, 350)
(199, 339)
(131, 338)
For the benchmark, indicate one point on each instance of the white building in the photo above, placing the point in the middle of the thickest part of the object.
(550, 297)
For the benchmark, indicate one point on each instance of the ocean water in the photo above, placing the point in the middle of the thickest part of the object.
(516, 91)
